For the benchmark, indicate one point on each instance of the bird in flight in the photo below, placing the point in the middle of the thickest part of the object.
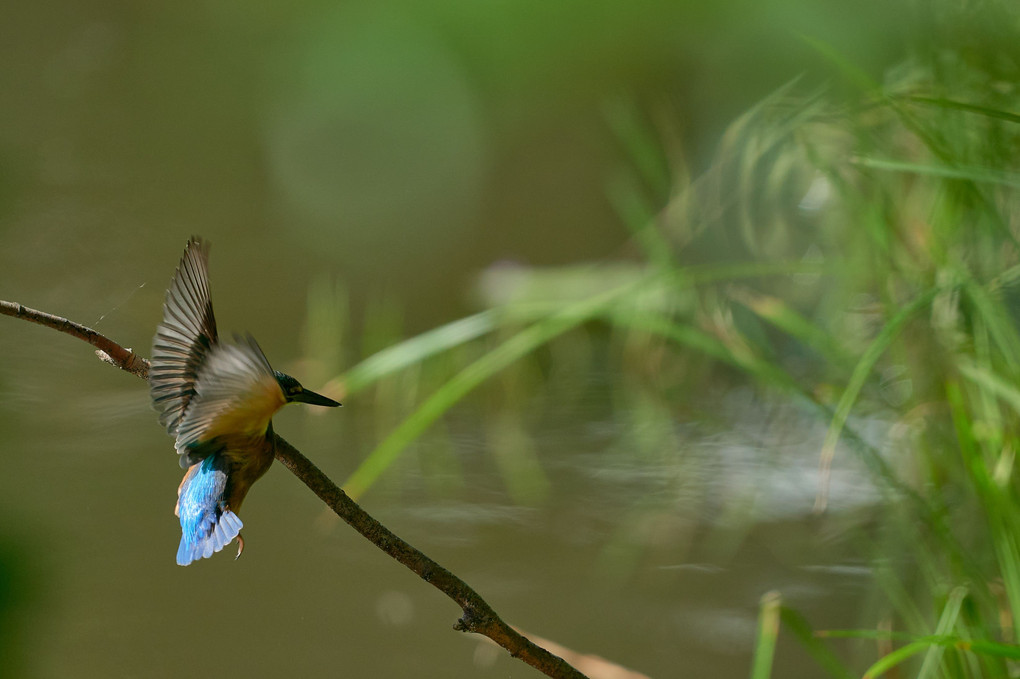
(217, 400)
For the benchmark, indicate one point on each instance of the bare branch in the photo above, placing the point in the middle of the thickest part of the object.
(478, 616)
(106, 349)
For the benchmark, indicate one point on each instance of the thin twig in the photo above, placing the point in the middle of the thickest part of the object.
(106, 348)
(478, 616)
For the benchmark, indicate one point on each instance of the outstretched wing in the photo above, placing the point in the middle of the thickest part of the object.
(236, 395)
(184, 338)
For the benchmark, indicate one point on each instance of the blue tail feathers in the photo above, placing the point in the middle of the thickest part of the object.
(207, 526)
(202, 544)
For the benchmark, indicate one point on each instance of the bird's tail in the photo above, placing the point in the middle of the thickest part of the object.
(207, 525)
(209, 538)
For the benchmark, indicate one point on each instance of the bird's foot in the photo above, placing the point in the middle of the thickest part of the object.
(240, 546)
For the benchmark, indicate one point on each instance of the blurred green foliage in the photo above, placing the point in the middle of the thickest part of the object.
(851, 249)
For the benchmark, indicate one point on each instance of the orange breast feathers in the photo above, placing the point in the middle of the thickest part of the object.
(248, 414)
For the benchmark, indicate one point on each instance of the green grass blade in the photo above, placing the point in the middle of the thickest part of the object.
(693, 338)
(850, 71)
(998, 322)
(991, 648)
(470, 377)
(977, 175)
(640, 142)
(946, 624)
(1009, 562)
(637, 213)
(870, 634)
(895, 658)
(768, 632)
(857, 379)
(985, 379)
(415, 350)
(970, 108)
(795, 623)
(783, 316)
(705, 274)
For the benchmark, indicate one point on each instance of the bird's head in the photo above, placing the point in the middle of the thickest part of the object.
(295, 393)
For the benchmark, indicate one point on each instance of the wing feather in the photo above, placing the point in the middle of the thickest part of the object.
(184, 338)
(236, 393)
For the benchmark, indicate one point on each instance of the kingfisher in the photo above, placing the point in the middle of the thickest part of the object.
(217, 400)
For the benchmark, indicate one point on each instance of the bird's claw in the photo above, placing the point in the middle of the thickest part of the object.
(240, 546)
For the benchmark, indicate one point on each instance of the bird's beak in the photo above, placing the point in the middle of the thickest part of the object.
(311, 398)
